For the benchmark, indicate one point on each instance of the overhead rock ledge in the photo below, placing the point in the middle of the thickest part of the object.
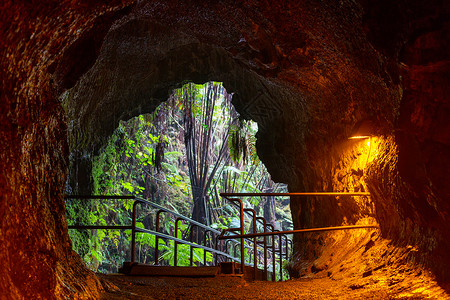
(139, 66)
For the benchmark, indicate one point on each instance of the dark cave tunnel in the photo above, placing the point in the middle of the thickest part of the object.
(305, 72)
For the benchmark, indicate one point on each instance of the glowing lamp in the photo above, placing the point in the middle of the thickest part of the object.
(363, 130)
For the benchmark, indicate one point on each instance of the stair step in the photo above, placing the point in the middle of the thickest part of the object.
(224, 270)
(150, 270)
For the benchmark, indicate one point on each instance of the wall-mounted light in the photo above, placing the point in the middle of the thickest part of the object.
(363, 130)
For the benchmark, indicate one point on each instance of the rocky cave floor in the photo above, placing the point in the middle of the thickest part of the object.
(381, 284)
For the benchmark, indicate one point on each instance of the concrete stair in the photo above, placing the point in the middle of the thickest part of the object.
(150, 270)
(224, 269)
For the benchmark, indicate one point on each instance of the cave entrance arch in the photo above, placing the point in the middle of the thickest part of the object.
(137, 69)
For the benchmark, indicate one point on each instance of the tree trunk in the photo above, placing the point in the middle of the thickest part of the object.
(198, 214)
(269, 212)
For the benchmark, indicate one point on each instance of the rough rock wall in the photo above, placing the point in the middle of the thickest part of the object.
(305, 71)
(35, 250)
(406, 177)
(423, 135)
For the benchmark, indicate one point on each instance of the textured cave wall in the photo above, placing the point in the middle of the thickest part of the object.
(35, 251)
(306, 72)
(407, 175)
(423, 136)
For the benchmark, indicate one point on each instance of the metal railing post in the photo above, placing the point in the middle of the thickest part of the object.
(242, 239)
(255, 264)
(157, 238)
(281, 255)
(215, 255)
(175, 247)
(205, 237)
(133, 233)
(241, 213)
(273, 252)
(292, 247)
(265, 246)
(286, 257)
(234, 250)
(191, 250)
(226, 248)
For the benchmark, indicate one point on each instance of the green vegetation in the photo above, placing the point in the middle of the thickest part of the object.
(182, 156)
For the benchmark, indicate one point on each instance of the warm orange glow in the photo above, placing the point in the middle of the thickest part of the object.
(359, 137)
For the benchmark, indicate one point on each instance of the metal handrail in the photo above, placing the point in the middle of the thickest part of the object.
(135, 229)
(161, 208)
(228, 195)
(221, 234)
(181, 241)
(86, 197)
(201, 225)
(124, 227)
(262, 221)
(277, 233)
(176, 214)
(138, 199)
(280, 234)
(252, 213)
(296, 194)
(238, 202)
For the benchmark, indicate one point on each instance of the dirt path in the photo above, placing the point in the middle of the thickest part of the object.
(128, 287)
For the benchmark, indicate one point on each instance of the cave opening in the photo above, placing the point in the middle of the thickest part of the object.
(147, 156)
(125, 82)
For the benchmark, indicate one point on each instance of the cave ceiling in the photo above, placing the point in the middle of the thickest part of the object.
(304, 77)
